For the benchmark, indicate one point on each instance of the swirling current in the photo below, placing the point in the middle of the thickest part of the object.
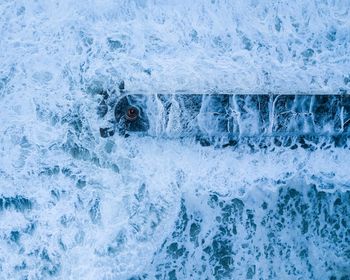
(76, 205)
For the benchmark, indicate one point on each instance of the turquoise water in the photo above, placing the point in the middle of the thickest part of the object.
(74, 205)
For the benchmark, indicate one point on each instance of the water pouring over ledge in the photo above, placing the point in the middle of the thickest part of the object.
(226, 117)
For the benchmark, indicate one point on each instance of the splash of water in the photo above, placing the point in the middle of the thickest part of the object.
(76, 206)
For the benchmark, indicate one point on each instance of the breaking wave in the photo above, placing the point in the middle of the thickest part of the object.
(74, 205)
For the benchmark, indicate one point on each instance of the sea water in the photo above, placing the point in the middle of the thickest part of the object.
(74, 205)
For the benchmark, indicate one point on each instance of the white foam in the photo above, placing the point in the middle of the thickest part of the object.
(50, 52)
